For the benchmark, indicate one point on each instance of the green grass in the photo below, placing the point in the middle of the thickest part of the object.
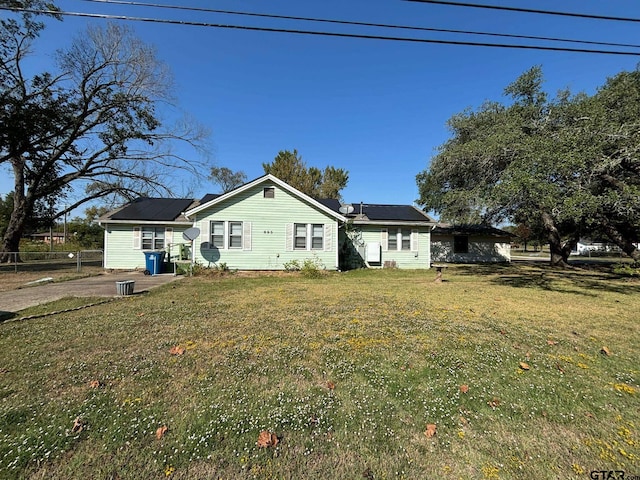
(261, 353)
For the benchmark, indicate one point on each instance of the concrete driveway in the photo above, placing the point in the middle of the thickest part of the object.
(99, 286)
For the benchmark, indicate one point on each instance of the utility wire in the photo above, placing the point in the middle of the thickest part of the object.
(366, 24)
(527, 10)
(319, 33)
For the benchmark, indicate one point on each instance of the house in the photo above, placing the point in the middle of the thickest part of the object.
(470, 244)
(48, 237)
(374, 235)
(265, 225)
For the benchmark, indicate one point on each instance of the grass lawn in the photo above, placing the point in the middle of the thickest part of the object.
(505, 363)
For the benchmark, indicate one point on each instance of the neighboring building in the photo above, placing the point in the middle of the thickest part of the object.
(48, 237)
(470, 244)
(588, 246)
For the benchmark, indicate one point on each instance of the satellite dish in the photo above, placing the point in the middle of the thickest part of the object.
(191, 234)
(346, 209)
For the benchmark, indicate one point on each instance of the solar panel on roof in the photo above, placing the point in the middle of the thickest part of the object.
(153, 209)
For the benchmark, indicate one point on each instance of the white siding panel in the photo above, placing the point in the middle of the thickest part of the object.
(137, 238)
(328, 237)
(246, 236)
(414, 240)
(288, 241)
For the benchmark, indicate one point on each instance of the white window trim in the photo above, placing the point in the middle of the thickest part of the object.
(245, 235)
(311, 237)
(290, 242)
(138, 237)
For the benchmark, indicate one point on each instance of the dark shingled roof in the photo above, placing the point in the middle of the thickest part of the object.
(401, 213)
(208, 197)
(470, 229)
(153, 209)
(398, 213)
(331, 203)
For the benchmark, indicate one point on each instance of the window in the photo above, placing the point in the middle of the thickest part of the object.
(317, 237)
(392, 242)
(460, 244)
(226, 235)
(235, 234)
(217, 234)
(300, 236)
(406, 239)
(269, 192)
(152, 238)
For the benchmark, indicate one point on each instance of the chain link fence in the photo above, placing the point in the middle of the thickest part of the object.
(52, 261)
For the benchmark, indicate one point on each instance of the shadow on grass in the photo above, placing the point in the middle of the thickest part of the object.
(4, 316)
(583, 279)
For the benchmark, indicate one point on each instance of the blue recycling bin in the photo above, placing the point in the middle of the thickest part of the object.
(153, 262)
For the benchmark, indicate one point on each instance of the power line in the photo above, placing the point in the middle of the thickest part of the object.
(366, 24)
(320, 33)
(528, 10)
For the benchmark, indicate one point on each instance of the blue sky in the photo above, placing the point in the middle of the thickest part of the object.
(375, 108)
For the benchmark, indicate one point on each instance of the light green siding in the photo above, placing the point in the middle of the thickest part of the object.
(267, 231)
(124, 251)
(417, 256)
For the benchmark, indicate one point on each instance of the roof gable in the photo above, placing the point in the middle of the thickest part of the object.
(260, 180)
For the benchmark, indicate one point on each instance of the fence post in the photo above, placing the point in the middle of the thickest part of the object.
(79, 261)
(15, 262)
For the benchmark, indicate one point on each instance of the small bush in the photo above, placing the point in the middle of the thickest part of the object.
(292, 266)
(312, 267)
(627, 270)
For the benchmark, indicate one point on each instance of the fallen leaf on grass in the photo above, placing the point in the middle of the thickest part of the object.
(78, 425)
(161, 431)
(560, 369)
(141, 314)
(524, 366)
(431, 430)
(331, 385)
(605, 351)
(267, 439)
(494, 402)
(95, 384)
(551, 342)
(464, 388)
(176, 350)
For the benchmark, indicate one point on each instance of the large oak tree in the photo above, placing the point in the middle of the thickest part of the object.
(566, 166)
(92, 129)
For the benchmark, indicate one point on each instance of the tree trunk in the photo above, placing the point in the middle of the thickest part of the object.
(22, 208)
(624, 243)
(560, 250)
(11, 240)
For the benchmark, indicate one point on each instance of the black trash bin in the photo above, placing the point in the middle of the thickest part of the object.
(153, 262)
